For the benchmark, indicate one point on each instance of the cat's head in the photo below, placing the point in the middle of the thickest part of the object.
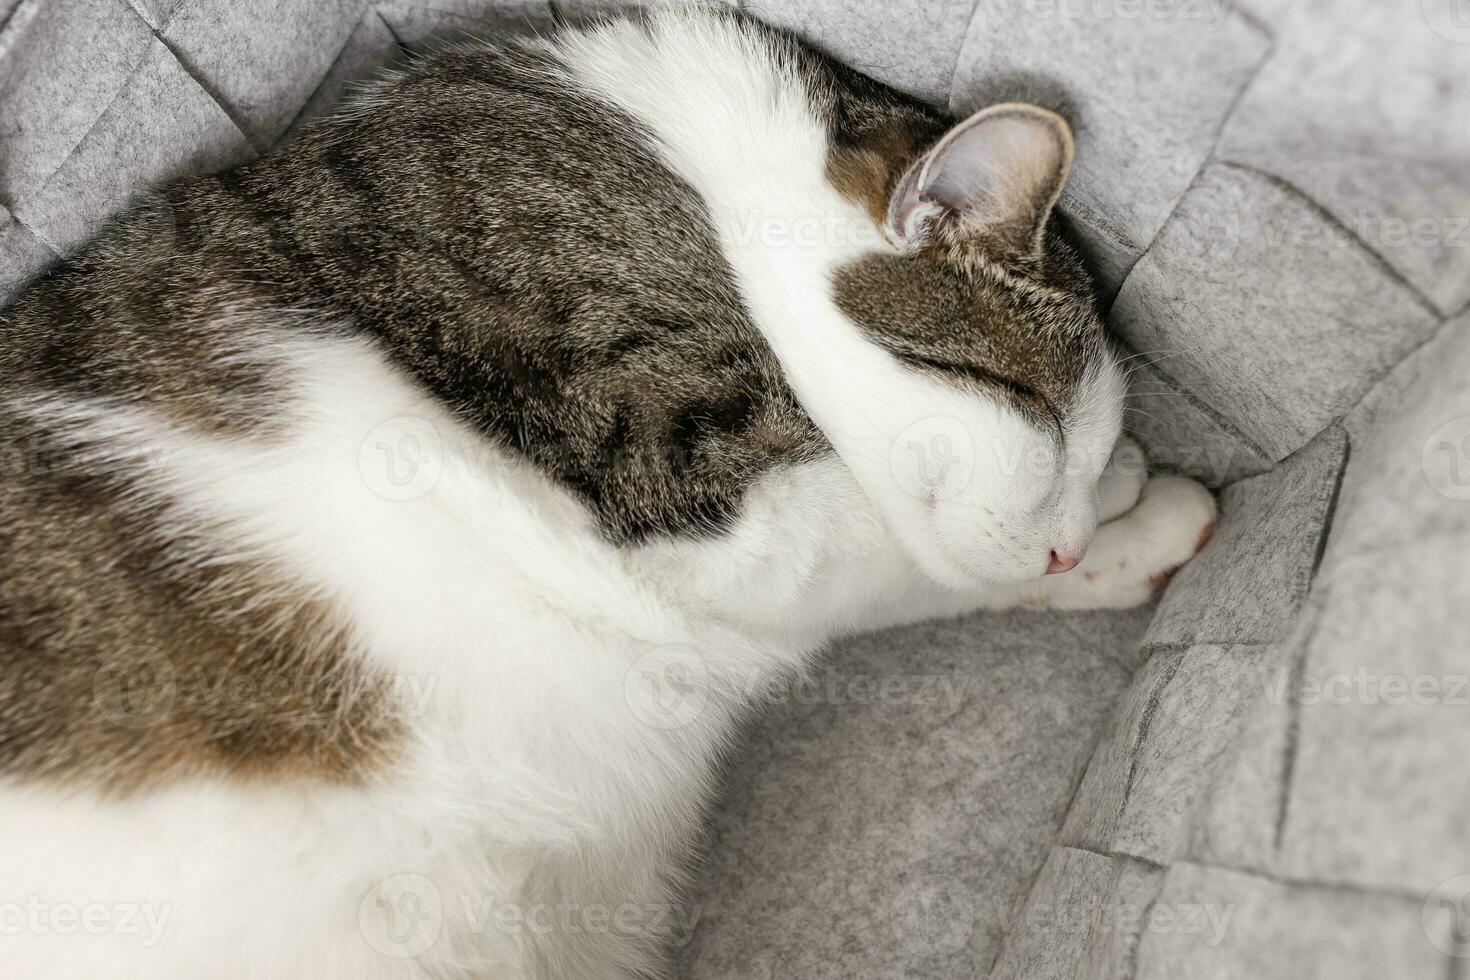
(982, 437)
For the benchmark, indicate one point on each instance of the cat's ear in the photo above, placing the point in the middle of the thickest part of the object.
(991, 181)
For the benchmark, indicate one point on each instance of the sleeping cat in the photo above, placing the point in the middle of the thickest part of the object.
(396, 529)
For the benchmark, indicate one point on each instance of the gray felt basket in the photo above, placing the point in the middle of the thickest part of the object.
(1264, 774)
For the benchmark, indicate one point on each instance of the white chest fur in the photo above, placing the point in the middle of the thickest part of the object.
(566, 699)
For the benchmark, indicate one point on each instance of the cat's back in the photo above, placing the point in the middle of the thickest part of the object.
(526, 252)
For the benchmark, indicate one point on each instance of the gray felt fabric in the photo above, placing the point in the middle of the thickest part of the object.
(1277, 360)
(1416, 412)
(419, 26)
(1210, 923)
(1263, 775)
(889, 815)
(912, 46)
(1369, 120)
(161, 125)
(1156, 760)
(1258, 567)
(1182, 433)
(22, 254)
(1083, 917)
(64, 64)
(1238, 817)
(247, 52)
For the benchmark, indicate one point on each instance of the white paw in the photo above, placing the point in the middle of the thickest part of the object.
(1176, 517)
(1121, 481)
(1133, 557)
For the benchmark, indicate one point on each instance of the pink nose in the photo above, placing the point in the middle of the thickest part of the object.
(1062, 563)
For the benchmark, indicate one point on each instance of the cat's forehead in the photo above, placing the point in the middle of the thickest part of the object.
(1029, 344)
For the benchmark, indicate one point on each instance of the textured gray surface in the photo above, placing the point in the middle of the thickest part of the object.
(1258, 567)
(418, 26)
(162, 125)
(1180, 432)
(1229, 925)
(1377, 135)
(1224, 288)
(864, 835)
(64, 64)
(1378, 796)
(1238, 819)
(1276, 195)
(913, 47)
(1410, 470)
(1083, 918)
(1149, 773)
(22, 254)
(246, 52)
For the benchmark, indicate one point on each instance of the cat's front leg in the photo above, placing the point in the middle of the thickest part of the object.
(1132, 556)
(1122, 480)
